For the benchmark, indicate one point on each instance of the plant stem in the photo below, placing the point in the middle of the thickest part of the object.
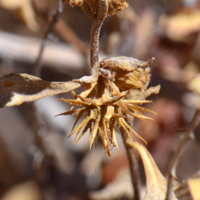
(183, 139)
(95, 32)
(133, 164)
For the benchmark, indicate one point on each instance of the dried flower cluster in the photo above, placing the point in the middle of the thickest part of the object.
(114, 90)
(91, 7)
(73, 3)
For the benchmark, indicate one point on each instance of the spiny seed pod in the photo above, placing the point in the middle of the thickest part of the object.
(113, 91)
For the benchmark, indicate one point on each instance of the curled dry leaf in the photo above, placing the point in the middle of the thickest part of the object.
(156, 185)
(16, 89)
(25, 10)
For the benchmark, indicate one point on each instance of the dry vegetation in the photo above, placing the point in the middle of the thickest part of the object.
(119, 75)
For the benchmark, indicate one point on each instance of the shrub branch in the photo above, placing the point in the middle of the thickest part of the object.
(183, 139)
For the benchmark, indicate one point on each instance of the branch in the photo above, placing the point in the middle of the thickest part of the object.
(133, 165)
(183, 139)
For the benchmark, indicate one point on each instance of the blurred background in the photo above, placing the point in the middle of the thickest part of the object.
(37, 159)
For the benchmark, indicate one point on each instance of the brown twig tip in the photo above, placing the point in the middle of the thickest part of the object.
(148, 62)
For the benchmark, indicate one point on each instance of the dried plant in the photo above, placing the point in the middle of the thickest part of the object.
(112, 97)
(91, 7)
(114, 90)
(113, 94)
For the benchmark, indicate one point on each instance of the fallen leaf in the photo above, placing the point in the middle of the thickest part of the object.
(156, 185)
(26, 10)
(16, 89)
(189, 189)
(181, 24)
(25, 191)
(194, 185)
(182, 191)
(120, 187)
(194, 84)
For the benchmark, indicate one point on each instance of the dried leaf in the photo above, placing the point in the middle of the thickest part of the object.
(124, 63)
(26, 10)
(194, 185)
(188, 189)
(120, 187)
(181, 24)
(156, 185)
(16, 89)
(194, 84)
(24, 191)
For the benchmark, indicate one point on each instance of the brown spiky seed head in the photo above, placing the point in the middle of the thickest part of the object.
(112, 92)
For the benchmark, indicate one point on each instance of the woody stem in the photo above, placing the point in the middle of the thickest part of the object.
(183, 139)
(95, 32)
(133, 164)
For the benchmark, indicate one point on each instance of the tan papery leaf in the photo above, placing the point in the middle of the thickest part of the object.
(156, 185)
(16, 89)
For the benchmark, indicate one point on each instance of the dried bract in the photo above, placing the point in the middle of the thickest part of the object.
(105, 102)
(116, 5)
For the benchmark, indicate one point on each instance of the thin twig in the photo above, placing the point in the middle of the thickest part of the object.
(133, 164)
(37, 67)
(183, 139)
(95, 32)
